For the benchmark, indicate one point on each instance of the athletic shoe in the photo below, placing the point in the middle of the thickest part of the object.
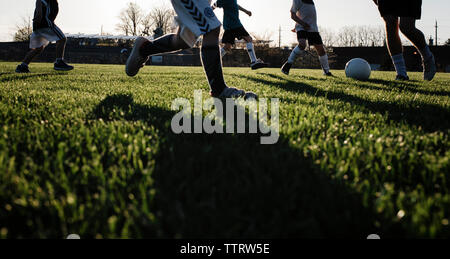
(401, 78)
(286, 68)
(235, 93)
(258, 64)
(22, 69)
(327, 73)
(429, 69)
(135, 61)
(62, 66)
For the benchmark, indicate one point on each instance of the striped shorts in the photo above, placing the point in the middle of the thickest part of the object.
(195, 18)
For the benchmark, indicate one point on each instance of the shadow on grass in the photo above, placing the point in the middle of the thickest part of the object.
(15, 76)
(230, 186)
(429, 117)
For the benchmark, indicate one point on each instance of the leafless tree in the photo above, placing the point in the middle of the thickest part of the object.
(24, 30)
(131, 20)
(263, 39)
(160, 17)
(328, 37)
(360, 36)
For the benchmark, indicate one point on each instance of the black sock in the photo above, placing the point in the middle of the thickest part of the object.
(212, 64)
(162, 45)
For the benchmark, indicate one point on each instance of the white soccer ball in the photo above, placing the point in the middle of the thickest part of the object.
(358, 68)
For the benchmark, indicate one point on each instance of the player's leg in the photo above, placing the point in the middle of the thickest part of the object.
(23, 68)
(395, 47)
(323, 58)
(60, 64)
(54, 33)
(255, 62)
(227, 47)
(408, 28)
(212, 64)
(390, 11)
(144, 48)
(315, 39)
(297, 51)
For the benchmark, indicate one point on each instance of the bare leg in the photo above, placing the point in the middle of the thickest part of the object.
(320, 50)
(32, 54)
(60, 48)
(395, 46)
(408, 28)
(392, 34)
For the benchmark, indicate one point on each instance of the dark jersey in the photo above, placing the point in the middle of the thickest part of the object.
(230, 14)
(45, 14)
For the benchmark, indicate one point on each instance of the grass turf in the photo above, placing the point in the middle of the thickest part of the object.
(91, 152)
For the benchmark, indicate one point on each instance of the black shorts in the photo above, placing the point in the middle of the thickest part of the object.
(229, 36)
(313, 38)
(400, 8)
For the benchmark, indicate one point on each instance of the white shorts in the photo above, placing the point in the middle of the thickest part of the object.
(42, 37)
(195, 18)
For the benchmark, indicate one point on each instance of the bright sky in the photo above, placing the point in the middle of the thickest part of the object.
(88, 16)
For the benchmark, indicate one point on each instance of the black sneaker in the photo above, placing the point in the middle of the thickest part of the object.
(22, 69)
(62, 66)
(401, 78)
(258, 64)
(327, 74)
(286, 68)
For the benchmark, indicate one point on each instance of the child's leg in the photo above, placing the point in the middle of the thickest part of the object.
(297, 51)
(226, 48)
(395, 45)
(250, 49)
(165, 44)
(323, 58)
(408, 28)
(60, 49)
(32, 54)
(212, 62)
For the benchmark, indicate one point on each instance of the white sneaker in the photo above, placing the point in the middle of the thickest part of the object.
(235, 93)
(135, 61)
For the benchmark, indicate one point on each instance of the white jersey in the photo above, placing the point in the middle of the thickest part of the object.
(306, 10)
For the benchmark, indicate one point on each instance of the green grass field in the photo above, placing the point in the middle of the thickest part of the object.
(91, 152)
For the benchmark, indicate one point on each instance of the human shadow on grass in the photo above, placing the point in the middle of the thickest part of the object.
(230, 186)
(25, 76)
(429, 117)
(408, 86)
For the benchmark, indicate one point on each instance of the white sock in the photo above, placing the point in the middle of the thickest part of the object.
(295, 52)
(426, 53)
(399, 64)
(324, 63)
(223, 52)
(251, 52)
